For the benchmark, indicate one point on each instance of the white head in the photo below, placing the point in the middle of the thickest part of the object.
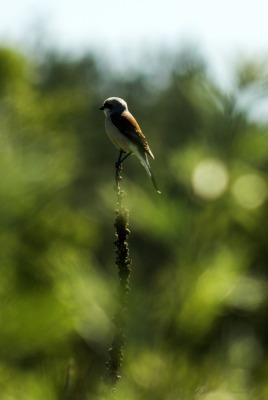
(114, 104)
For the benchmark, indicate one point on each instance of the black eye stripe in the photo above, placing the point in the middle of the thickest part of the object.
(108, 105)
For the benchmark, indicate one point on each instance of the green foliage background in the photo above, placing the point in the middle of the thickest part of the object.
(197, 324)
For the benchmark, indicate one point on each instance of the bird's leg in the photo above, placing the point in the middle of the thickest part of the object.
(126, 156)
(120, 155)
(118, 169)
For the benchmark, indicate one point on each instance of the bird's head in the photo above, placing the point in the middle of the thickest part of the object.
(114, 104)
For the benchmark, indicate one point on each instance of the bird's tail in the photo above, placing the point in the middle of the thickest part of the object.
(144, 160)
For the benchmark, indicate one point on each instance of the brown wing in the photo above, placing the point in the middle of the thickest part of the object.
(129, 127)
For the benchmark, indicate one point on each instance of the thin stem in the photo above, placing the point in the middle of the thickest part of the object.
(123, 265)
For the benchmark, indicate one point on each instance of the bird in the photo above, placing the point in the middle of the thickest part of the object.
(125, 133)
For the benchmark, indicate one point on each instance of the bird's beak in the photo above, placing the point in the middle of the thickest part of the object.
(102, 108)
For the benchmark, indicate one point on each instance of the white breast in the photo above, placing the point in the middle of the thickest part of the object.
(118, 138)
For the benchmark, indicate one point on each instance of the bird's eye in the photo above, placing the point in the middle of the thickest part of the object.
(108, 105)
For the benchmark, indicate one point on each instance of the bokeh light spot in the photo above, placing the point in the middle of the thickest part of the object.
(248, 294)
(250, 191)
(210, 179)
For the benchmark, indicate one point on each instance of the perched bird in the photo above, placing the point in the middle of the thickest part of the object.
(125, 133)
